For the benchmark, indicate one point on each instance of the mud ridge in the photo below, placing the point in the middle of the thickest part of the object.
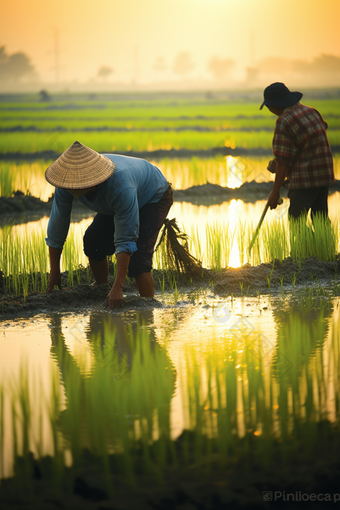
(74, 299)
(253, 280)
(205, 194)
(246, 280)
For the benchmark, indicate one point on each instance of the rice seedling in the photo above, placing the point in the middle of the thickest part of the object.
(29, 142)
(25, 262)
(29, 178)
(269, 278)
(162, 284)
(274, 241)
(319, 239)
(293, 278)
(219, 242)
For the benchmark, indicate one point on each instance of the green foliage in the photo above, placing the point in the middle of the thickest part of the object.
(143, 124)
(219, 241)
(319, 239)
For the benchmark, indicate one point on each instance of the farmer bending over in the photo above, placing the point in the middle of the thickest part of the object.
(303, 160)
(132, 199)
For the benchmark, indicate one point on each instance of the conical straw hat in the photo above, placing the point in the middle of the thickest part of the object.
(79, 167)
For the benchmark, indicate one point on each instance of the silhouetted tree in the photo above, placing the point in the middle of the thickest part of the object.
(322, 65)
(44, 96)
(183, 64)
(219, 67)
(15, 67)
(104, 72)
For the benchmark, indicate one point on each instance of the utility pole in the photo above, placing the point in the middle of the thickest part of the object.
(252, 49)
(135, 66)
(56, 56)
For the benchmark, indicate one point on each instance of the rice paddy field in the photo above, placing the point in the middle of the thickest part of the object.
(220, 392)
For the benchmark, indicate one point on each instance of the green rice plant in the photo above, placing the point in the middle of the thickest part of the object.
(269, 278)
(29, 142)
(194, 243)
(22, 257)
(254, 257)
(319, 239)
(72, 253)
(281, 283)
(7, 180)
(162, 284)
(274, 241)
(241, 238)
(219, 241)
(29, 178)
(293, 278)
(176, 295)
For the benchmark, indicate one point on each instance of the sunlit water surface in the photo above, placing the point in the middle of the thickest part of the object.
(206, 329)
(228, 171)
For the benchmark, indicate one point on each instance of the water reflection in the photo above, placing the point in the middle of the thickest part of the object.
(226, 171)
(271, 363)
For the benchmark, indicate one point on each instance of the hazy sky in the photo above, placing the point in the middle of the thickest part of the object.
(127, 34)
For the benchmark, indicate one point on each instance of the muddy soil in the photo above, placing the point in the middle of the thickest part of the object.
(206, 194)
(254, 279)
(246, 482)
(244, 281)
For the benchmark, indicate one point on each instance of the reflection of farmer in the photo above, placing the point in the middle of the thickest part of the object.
(132, 198)
(302, 153)
(157, 374)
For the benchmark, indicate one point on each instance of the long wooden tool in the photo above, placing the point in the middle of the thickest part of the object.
(279, 202)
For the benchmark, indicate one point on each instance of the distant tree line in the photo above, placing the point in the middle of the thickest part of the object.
(15, 67)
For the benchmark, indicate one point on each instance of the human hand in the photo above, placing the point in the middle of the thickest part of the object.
(115, 298)
(274, 199)
(272, 166)
(54, 280)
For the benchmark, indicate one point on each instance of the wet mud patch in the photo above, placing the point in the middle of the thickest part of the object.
(77, 298)
(244, 281)
(253, 280)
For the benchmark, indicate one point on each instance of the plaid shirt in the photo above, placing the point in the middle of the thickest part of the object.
(300, 142)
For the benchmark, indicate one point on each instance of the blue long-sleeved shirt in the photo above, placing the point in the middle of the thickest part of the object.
(134, 183)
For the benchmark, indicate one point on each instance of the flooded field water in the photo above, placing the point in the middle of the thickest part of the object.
(199, 329)
(229, 172)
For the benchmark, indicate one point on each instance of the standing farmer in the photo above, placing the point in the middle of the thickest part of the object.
(132, 198)
(303, 159)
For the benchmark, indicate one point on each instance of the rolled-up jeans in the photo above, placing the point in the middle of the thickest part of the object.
(99, 236)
